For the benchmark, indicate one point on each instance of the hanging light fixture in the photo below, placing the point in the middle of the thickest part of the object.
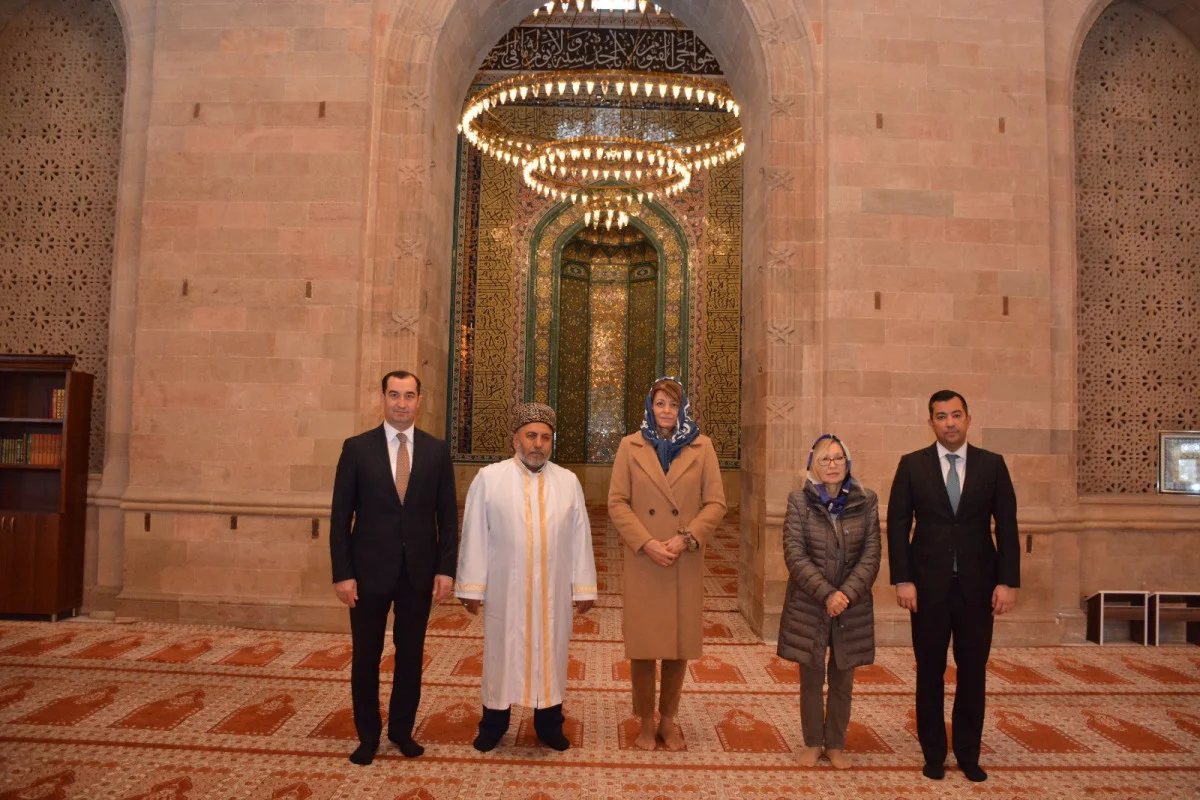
(633, 141)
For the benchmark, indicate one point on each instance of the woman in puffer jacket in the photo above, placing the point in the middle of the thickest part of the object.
(831, 546)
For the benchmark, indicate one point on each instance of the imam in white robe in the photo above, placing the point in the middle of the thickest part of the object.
(526, 552)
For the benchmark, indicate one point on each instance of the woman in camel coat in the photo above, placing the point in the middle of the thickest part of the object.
(665, 500)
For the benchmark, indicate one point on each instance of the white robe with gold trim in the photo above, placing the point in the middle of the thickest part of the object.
(526, 551)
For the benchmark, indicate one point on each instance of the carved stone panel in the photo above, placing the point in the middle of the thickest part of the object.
(62, 85)
(1137, 136)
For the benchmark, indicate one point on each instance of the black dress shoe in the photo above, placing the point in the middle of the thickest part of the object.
(974, 772)
(364, 754)
(556, 741)
(486, 742)
(407, 747)
(935, 772)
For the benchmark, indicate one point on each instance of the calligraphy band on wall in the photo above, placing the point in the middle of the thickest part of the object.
(545, 48)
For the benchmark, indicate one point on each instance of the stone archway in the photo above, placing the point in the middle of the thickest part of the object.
(1067, 26)
(104, 540)
(767, 46)
(1137, 84)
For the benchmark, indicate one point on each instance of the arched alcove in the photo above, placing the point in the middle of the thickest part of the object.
(1137, 169)
(1068, 25)
(509, 290)
(62, 89)
(644, 319)
(606, 343)
(766, 46)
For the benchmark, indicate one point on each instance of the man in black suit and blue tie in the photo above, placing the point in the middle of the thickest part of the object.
(960, 576)
(393, 540)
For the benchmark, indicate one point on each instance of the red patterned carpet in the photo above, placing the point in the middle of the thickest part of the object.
(141, 711)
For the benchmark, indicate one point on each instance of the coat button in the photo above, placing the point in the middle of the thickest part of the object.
(674, 512)
(652, 512)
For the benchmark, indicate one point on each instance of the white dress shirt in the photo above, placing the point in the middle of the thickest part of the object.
(960, 466)
(393, 443)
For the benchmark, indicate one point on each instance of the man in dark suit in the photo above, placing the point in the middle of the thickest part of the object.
(393, 540)
(962, 579)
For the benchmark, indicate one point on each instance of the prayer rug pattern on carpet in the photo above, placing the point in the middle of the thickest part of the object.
(149, 710)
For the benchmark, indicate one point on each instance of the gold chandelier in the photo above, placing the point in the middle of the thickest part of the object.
(633, 143)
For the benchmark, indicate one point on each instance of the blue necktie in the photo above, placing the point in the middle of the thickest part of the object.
(954, 489)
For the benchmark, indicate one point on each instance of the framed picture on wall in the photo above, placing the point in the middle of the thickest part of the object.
(1179, 462)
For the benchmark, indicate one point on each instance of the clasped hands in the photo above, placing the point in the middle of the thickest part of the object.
(836, 603)
(665, 553)
(473, 606)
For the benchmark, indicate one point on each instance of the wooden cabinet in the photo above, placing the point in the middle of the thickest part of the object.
(1174, 607)
(1116, 606)
(45, 420)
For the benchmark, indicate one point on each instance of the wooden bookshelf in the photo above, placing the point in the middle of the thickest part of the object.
(45, 428)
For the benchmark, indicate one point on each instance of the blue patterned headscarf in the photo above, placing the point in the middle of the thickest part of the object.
(685, 428)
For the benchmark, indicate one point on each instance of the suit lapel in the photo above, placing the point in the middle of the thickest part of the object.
(647, 458)
(935, 464)
(972, 477)
(418, 452)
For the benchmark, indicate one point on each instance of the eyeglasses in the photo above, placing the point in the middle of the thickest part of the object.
(825, 462)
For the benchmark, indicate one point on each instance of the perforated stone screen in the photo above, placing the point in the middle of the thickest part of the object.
(62, 83)
(1137, 134)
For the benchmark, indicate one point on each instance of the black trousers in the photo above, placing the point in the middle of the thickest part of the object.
(368, 624)
(494, 722)
(933, 627)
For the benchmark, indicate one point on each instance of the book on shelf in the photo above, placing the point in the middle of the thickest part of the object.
(12, 451)
(37, 449)
(58, 404)
(44, 449)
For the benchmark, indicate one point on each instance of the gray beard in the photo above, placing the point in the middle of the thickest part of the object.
(529, 466)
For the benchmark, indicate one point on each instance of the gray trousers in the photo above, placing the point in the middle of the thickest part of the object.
(824, 723)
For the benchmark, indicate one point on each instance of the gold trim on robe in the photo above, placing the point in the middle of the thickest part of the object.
(528, 592)
(546, 691)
